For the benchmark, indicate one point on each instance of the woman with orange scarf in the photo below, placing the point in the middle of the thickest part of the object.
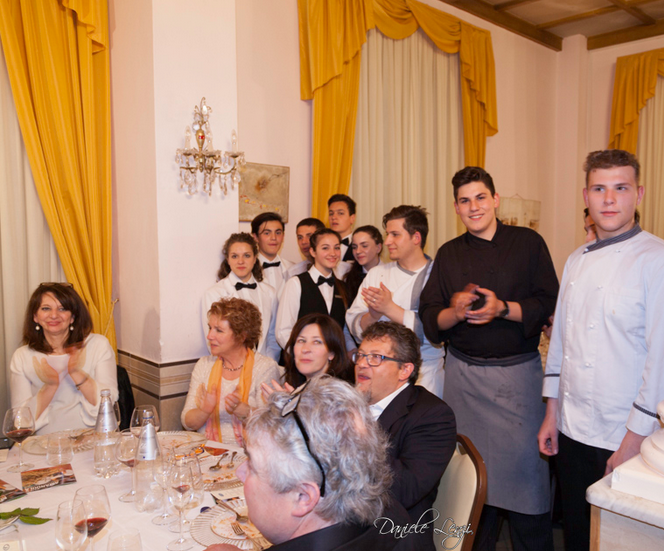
(225, 386)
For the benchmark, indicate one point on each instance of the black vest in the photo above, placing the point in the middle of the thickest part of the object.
(312, 301)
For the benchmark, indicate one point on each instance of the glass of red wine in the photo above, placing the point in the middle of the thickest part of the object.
(125, 453)
(18, 425)
(180, 493)
(97, 509)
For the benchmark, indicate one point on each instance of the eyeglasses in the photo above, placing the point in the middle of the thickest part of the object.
(53, 283)
(373, 360)
(291, 407)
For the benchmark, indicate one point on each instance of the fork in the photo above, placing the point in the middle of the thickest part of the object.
(240, 532)
(80, 437)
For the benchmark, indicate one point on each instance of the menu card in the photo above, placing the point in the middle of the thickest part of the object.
(39, 479)
(9, 492)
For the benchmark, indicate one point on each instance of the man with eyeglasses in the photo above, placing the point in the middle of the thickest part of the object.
(317, 474)
(421, 427)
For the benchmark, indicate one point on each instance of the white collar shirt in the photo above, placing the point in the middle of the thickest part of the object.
(379, 407)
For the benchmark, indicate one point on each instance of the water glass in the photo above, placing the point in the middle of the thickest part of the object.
(127, 540)
(59, 450)
(106, 464)
(11, 539)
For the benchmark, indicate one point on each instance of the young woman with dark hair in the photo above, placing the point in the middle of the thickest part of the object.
(63, 366)
(241, 276)
(316, 291)
(367, 244)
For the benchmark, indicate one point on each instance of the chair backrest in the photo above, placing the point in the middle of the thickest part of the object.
(125, 397)
(461, 495)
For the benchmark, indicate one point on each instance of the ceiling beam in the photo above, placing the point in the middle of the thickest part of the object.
(626, 35)
(506, 21)
(634, 12)
(512, 4)
(577, 17)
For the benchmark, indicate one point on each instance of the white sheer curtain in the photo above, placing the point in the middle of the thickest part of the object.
(409, 134)
(27, 252)
(650, 151)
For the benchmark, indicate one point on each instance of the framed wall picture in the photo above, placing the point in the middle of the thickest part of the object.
(263, 188)
(516, 211)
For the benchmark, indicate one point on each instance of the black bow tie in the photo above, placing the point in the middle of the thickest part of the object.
(328, 280)
(239, 285)
(271, 264)
(346, 241)
(348, 257)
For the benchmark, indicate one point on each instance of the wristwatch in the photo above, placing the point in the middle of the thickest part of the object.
(505, 311)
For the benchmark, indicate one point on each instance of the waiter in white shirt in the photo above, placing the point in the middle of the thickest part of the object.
(341, 214)
(391, 292)
(268, 231)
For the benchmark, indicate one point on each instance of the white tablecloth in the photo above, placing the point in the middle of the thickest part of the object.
(123, 515)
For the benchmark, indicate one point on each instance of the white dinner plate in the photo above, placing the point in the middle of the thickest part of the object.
(201, 528)
(8, 522)
(173, 438)
(36, 445)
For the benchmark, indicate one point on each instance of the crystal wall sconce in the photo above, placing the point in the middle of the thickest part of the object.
(204, 159)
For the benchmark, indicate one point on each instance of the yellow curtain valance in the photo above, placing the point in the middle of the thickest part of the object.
(58, 64)
(634, 84)
(331, 37)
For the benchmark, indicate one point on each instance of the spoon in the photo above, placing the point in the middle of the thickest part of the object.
(231, 463)
(218, 465)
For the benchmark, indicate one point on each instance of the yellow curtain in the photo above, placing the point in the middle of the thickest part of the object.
(58, 65)
(331, 37)
(635, 83)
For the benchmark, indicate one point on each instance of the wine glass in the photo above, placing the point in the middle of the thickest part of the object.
(162, 473)
(127, 540)
(18, 425)
(125, 453)
(137, 419)
(97, 509)
(118, 415)
(70, 526)
(198, 486)
(180, 492)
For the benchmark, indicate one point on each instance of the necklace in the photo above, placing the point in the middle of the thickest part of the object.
(231, 369)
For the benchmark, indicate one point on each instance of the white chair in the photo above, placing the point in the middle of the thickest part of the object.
(461, 495)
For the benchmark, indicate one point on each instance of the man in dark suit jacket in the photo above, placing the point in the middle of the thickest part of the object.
(421, 427)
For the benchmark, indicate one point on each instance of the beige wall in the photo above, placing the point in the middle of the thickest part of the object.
(165, 56)
(275, 123)
(553, 107)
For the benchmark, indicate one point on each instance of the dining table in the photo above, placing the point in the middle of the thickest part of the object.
(41, 537)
